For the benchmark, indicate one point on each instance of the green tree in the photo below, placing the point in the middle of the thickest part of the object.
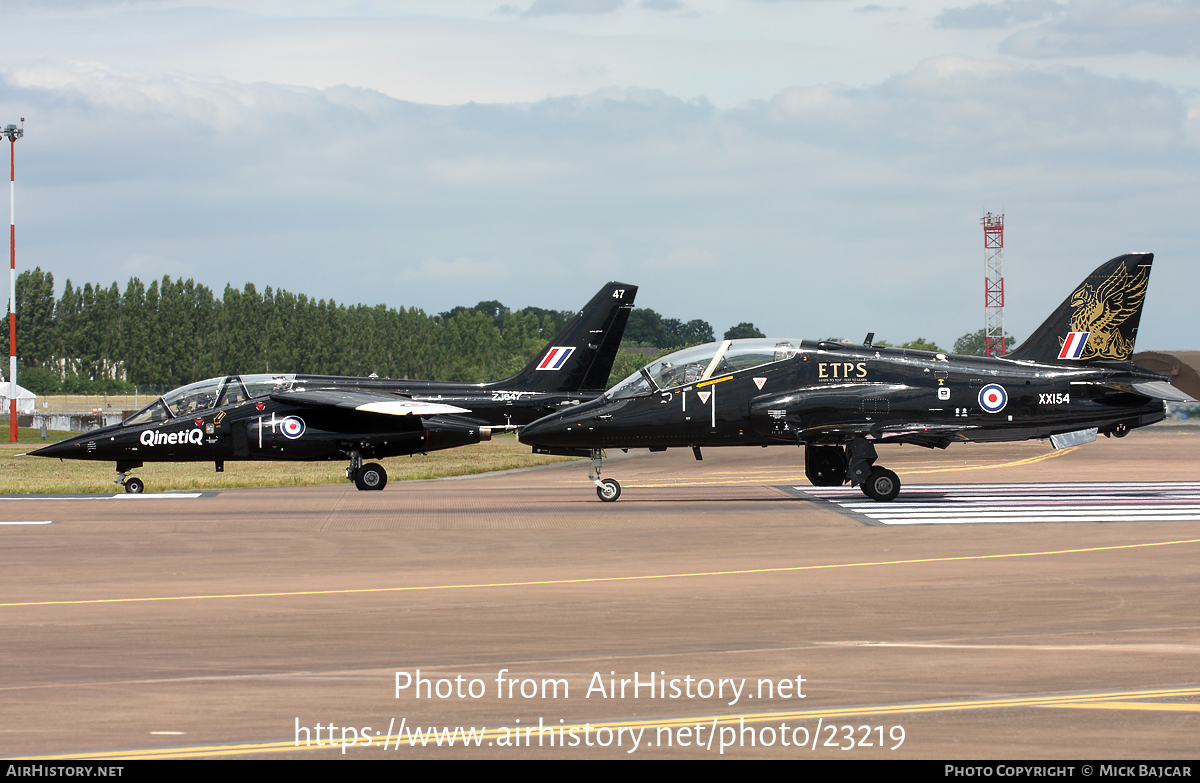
(920, 344)
(975, 343)
(677, 334)
(627, 363)
(645, 327)
(742, 330)
(35, 317)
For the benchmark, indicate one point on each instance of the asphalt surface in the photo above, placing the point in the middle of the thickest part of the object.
(217, 625)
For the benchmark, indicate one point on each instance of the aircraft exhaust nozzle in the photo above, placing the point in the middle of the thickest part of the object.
(485, 433)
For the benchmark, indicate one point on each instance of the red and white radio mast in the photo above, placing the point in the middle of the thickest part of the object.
(993, 283)
(12, 133)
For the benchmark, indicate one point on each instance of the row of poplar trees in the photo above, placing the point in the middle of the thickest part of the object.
(173, 332)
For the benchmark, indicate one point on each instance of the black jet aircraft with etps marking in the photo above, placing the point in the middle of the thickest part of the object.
(1071, 380)
(323, 417)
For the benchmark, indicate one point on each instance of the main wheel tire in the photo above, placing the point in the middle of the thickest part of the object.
(881, 485)
(135, 486)
(370, 476)
(609, 490)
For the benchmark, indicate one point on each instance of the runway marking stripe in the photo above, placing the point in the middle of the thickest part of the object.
(1020, 503)
(598, 579)
(1030, 520)
(1107, 700)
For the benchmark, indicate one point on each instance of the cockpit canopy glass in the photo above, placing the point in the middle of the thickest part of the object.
(209, 394)
(701, 362)
(195, 397)
(152, 413)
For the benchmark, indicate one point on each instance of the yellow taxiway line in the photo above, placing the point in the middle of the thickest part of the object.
(1114, 700)
(790, 477)
(600, 579)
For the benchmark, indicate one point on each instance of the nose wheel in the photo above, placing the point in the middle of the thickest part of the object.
(131, 484)
(607, 490)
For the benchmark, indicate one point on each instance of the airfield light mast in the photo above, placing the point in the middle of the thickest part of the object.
(12, 133)
(993, 283)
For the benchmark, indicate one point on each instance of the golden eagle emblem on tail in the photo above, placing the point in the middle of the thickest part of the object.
(1103, 309)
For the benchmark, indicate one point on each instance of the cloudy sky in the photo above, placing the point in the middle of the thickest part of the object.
(817, 167)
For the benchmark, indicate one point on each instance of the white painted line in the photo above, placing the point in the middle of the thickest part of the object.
(977, 521)
(47, 522)
(965, 504)
(155, 496)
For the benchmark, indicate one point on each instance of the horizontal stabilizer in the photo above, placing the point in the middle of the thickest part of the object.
(1161, 390)
(367, 403)
(1158, 390)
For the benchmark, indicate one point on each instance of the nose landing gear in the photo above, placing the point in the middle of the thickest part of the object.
(132, 484)
(607, 490)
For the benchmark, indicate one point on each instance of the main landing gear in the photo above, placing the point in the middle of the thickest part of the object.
(607, 490)
(366, 477)
(876, 482)
(832, 466)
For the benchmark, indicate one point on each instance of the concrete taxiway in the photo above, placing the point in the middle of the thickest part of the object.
(239, 622)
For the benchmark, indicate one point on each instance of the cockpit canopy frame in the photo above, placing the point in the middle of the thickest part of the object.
(702, 362)
(208, 395)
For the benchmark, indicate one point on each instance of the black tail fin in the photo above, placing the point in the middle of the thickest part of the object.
(581, 356)
(1099, 320)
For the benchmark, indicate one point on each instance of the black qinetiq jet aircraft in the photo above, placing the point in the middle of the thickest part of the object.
(323, 417)
(1071, 380)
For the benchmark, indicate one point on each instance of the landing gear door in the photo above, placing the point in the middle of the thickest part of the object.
(241, 443)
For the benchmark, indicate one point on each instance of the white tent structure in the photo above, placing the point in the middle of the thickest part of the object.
(25, 398)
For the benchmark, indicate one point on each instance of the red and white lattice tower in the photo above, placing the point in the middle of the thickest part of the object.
(993, 284)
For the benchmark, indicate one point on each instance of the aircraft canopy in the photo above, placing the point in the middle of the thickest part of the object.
(701, 362)
(210, 394)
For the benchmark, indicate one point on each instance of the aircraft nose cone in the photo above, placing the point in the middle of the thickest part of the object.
(540, 432)
(71, 447)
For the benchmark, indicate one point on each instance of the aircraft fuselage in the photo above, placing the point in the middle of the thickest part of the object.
(829, 393)
(264, 429)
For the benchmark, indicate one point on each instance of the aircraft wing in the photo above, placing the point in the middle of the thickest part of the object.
(389, 404)
(936, 434)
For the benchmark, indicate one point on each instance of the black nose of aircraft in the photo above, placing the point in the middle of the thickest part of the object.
(546, 431)
(66, 448)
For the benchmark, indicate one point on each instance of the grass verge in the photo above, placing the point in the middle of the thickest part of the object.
(32, 475)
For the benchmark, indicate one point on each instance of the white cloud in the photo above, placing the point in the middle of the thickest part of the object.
(782, 203)
(1107, 27)
(549, 7)
(1002, 14)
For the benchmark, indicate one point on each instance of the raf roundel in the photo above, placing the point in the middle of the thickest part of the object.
(993, 398)
(292, 427)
